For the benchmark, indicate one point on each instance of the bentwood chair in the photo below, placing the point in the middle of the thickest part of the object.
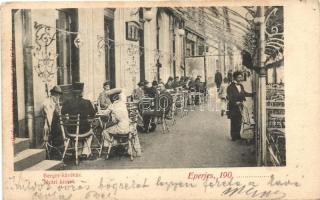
(53, 150)
(133, 112)
(192, 98)
(172, 113)
(147, 108)
(97, 128)
(179, 104)
(185, 100)
(70, 125)
(164, 110)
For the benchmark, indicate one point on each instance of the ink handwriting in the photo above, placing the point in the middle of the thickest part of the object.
(109, 189)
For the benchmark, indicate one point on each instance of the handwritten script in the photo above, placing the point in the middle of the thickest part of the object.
(110, 189)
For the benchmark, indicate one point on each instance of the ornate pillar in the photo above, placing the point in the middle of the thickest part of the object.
(28, 74)
(261, 101)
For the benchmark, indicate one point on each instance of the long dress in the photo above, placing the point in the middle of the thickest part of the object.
(51, 133)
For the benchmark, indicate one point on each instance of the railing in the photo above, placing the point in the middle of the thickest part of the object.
(276, 124)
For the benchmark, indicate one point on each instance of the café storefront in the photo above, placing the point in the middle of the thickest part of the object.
(61, 46)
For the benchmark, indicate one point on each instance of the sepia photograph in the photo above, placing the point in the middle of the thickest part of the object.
(148, 87)
(160, 99)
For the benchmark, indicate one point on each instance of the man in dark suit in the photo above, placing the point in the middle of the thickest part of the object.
(152, 91)
(169, 83)
(230, 75)
(176, 82)
(79, 105)
(218, 79)
(236, 95)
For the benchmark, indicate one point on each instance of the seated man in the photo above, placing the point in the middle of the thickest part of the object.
(152, 91)
(176, 82)
(169, 84)
(138, 93)
(119, 116)
(79, 105)
(104, 100)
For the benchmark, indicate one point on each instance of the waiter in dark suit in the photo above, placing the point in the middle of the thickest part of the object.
(79, 105)
(236, 95)
(218, 79)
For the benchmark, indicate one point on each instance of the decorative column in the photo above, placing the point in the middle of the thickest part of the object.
(174, 46)
(184, 51)
(261, 101)
(157, 53)
(205, 62)
(28, 75)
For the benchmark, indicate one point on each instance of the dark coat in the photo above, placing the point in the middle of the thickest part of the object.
(218, 78)
(176, 84)
(229, 77)
(234, 96)
(79, 106)
(151, 92)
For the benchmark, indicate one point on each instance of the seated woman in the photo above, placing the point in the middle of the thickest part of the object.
(51, 110)
(104, 100)
(120, 119)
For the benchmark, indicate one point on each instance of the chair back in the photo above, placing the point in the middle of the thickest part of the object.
(95, 122)
(130, 98)
(69, 124)
(145, 104)
(179, 100)
(96, 106)
(132, 111)
(165, 102)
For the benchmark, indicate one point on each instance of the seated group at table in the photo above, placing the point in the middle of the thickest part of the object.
(111, 104)
(112, 101)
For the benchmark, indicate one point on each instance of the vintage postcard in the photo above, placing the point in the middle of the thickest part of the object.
(160, 100)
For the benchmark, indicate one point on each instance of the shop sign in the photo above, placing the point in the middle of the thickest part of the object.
(191, 37)
(132, 31)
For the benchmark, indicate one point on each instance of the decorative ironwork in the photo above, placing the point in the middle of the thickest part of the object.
(274, 32)
(102, 44)
(44, 55)
(132, 53)
(157, 55)
(44, 36)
